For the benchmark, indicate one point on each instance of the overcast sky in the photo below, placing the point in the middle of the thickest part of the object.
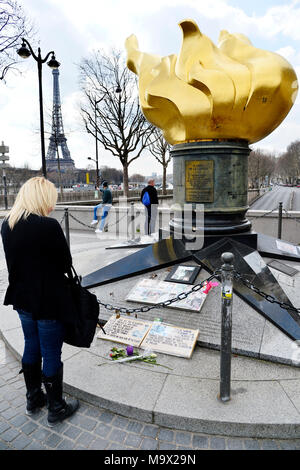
(74, 29)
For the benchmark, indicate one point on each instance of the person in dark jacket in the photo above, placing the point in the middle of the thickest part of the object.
(37, 257)
(106, 206)
(151, 208)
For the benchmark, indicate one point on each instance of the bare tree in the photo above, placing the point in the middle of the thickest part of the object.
(160, 149)
(288, 164)
(111, 111)
(137, 178)
(260, 166)
(13, 26)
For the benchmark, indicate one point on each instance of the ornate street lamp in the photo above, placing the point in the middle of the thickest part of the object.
(26, 51)
(96, 102)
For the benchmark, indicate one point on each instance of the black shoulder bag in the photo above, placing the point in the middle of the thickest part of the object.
(83, 316)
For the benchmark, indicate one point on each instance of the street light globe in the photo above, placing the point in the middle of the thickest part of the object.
(53, 63)
(24, 52)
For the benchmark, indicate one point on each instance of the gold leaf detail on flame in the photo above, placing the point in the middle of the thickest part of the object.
(233, 91)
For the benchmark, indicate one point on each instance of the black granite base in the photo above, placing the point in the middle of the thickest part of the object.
(247, 261)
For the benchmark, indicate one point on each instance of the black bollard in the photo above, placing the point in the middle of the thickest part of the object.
(5, 190)
(279, 220)
(226, 330)
(67, 228)
(132, 221)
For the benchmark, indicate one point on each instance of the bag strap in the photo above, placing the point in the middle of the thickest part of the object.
(72, 274)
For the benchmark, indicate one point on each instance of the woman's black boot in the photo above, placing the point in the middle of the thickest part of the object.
(58, 408)
(33, 380)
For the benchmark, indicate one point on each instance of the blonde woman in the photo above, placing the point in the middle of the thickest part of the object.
(37, 256)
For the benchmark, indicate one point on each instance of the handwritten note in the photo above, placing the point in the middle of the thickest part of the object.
(156, 336)
(125, 330)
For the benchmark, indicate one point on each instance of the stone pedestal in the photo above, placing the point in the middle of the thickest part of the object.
(215, 174)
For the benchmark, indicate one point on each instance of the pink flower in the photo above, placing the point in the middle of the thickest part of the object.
(209, 286)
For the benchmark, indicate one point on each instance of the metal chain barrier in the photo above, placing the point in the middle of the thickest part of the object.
(184, 295)
(268, 297)
(290, 217)
(266, 213)
(79, 221)
(91, 228)
(166, 303)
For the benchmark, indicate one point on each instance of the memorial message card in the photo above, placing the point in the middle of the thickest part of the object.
(149, 291)
(155, 336)
(125, 330)
(168, 339)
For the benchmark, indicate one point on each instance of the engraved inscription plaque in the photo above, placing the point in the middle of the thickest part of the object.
(199, 181)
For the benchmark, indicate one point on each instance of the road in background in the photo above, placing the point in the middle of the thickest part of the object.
(290, 198)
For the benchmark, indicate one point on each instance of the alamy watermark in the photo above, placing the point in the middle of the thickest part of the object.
(185, 222)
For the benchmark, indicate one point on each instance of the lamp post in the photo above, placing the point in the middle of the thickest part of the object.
(26, 52)
(3, 150)
(96, 140)
(96, 102)
(97, 170)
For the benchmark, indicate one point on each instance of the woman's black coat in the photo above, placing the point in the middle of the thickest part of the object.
(37, 256)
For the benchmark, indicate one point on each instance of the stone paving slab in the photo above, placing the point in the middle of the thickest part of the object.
(126, 390)
(260, 409)
(94, 428)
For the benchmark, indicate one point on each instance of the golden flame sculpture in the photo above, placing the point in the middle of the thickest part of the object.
(233, 91)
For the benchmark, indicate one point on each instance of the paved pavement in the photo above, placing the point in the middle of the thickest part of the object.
(94, 428)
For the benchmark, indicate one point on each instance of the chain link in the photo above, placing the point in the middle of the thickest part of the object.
(91, 228)
(263, 215)
(268, 297)
(290, 217)
(183, 295)
(79, 221)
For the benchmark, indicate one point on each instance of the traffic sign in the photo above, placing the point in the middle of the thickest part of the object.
(4, 148)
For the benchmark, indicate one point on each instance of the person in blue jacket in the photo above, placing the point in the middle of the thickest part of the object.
(150, 200)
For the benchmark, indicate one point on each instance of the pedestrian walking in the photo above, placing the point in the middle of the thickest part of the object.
(105, 205)
(37, 257)
(150, 200)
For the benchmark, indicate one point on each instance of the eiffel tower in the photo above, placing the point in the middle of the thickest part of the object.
(57, 138)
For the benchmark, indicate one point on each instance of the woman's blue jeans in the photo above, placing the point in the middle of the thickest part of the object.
(43, 339)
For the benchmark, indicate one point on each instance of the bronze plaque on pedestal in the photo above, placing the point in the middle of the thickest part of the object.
(199, 181)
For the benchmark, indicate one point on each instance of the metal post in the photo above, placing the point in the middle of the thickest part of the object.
(5, 190)
(67, 228)
(132, 220)
(96, 141)
(42, 132)
(279, 220)
(226, 330)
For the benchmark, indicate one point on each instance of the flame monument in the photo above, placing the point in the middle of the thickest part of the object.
(211, 103)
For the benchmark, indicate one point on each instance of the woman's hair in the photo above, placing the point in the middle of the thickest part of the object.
(36, 196)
